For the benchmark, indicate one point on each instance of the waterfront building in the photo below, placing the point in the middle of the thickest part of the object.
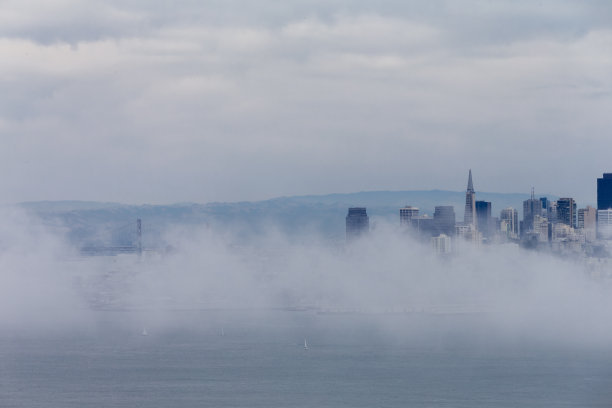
(357, 222)
(407, 214)
(604, 192)
(444, 219)
(566, 211)
(469, 216)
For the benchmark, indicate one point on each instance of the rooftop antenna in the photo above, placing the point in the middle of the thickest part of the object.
(532, 193)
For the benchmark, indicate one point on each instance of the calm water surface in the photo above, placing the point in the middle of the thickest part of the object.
(247, 359)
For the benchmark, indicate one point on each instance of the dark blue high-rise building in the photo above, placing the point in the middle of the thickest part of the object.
(357, 222)
(483, 215)
(604, 192)
(566, 211)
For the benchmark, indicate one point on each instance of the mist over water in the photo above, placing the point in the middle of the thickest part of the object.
(226, 317)
(387, 279)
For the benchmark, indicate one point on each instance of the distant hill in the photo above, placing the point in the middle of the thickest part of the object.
(92, 223)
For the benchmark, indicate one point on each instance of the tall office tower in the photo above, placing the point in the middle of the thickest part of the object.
(483, 218)
(531, 208)
(604, 192)
(604, 224)
(469, 217)
(510, 215)
(407, 214)
(444, 219)
(545, 205)
(357, 222)
(566, 211)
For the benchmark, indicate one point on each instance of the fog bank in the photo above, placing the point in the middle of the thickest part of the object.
(387, 278)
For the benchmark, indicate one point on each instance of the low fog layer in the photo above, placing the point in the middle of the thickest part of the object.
(44, 283)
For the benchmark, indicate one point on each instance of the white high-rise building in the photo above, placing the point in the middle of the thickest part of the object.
(441, 244)
(604, 224)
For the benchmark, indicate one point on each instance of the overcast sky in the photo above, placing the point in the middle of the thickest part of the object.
(173, 101)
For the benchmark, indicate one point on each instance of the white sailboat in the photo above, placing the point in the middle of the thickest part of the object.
(144, 332)
(305, 345)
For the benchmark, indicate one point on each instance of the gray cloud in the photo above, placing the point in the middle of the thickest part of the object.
(129, 101)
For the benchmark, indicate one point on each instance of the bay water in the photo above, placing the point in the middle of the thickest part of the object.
(245, 358)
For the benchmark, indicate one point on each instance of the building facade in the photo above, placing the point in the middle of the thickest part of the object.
(483, 218)
(604, 224)
(441, 244)
(357, 222)
(510, 217)
(444, 220)
(407, 214)
(531, 208)
(566, 211)
(604, 192)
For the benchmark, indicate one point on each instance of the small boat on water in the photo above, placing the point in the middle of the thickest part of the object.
(144, 332)
(305, 345)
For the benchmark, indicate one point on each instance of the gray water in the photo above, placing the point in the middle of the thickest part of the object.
(257, 359)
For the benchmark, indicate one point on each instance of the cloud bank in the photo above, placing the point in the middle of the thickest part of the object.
(217, 101)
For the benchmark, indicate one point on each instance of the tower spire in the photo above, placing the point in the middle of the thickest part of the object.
(469, 217)
(470, 186)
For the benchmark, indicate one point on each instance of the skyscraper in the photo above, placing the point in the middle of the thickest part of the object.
(566, 211)
(483, 217)
(357, 222)
(604, 192)
(510, 216)
(545, 206)
(531, 208)
(444, 219)
(469, 216)
(407, 214)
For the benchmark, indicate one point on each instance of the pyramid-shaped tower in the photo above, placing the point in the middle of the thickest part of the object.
(469, 216)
